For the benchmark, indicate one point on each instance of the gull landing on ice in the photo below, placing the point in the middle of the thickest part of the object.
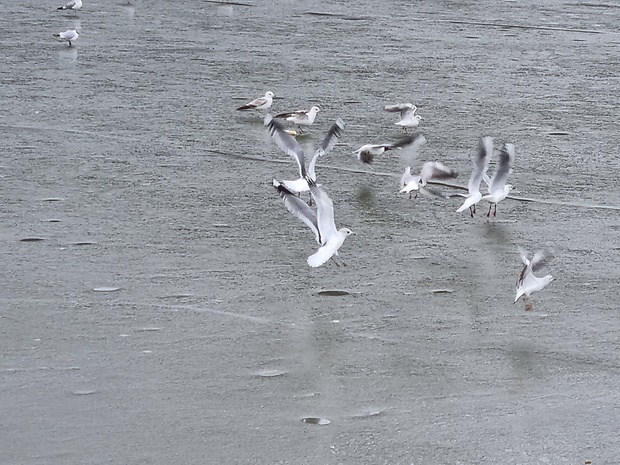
(408, 118)
(527, 282)
(498, 189)
(481, 164)
(320, 223)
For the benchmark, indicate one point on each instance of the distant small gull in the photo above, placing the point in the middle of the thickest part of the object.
(301, 117)
(498, 189)
(408, 118)
(320, 223)
(367, 153)
(70, 36)
(72, 5)
(290, 146)
(481, 164)
(261, 103)
(527, 282)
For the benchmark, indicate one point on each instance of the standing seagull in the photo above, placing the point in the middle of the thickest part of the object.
(320, 223)
(408, 118)
(261, 103)
(72, 5)
(498, 189)
(290, 146)
(70, 36)
(301, 117)
(481, 164)
(367, 153)
(527, 282)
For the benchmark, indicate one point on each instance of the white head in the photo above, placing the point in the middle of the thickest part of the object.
(315, 109)
(270, 94)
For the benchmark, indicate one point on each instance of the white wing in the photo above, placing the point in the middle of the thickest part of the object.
(330, 140)
(299, 208)
(324, 212)
(286, 143)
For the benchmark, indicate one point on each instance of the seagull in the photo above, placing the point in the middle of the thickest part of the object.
(527, 282)
(481, 164)
(320, 223)
(408, 118)
(498, 189)
(261, 103)
(70, 36)
(430, 170)
(367, 153)
(301, 117)
(72, 5)
(290, 146)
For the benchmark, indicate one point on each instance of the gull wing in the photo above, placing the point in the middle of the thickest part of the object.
(481, 164)
(435, 170)
(292, 113)
(540, 258)
(299, 208)
(413, 149)
(330, 140)
(506, 158)
(286, 143)
(324, 212)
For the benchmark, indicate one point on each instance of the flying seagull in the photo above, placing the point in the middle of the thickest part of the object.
(320, 223)
(481, 164)
(527, 282)
(498, 189)
(367, 153)
(408, 118)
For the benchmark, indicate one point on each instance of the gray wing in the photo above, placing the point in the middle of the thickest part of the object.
(330, 140)
(413, 149)
(324, 212)
(399, 107)
(435, 170)
(291, 113)
(299, 208)
(481, 164)
(540, 258)
(286, 143)
(506, 158)
(404, 142)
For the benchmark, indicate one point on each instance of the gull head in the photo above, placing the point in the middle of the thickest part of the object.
(270, 94)
(315, 109)
(347, 231)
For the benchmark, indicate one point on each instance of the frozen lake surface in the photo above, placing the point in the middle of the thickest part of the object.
(156, 303)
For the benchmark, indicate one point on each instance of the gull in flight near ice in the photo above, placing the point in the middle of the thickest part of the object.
(527, 282)
(498, 189)
(430, 170)
(320, 223)
(72, 5)
(481, 164)
(408, 118)
(261, 103)
(367, 153)
(301, 117)
(289, 145)
(70, 36)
